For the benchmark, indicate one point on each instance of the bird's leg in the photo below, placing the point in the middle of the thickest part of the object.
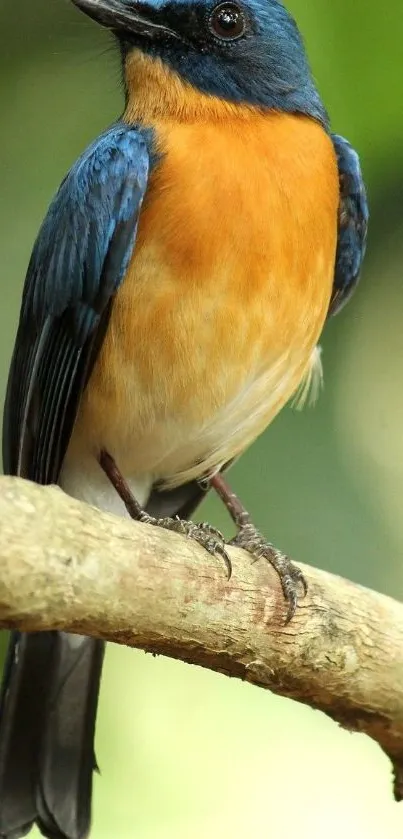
(108, 465)
(249, 538)
(208, 537)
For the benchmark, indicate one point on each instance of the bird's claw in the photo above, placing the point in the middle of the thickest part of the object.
(211, 539)
(291, 578)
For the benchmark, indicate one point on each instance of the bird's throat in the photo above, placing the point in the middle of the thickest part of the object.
(155, 92)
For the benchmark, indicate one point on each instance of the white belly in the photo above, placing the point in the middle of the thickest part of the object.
(170, 455)
(85, 480)
(235, 426)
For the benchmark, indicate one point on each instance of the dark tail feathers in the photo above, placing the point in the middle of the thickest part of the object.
(47, 724)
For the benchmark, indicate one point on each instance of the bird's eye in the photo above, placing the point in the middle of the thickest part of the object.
(227, 22)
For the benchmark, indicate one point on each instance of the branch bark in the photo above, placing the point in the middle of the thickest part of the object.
(65, 565)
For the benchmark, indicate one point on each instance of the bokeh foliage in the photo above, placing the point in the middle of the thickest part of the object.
(185, 752)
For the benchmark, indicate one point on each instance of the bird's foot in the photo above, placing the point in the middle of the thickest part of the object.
(208, 537)
(291, 578)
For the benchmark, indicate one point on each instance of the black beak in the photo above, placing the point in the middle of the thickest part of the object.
(124, 18)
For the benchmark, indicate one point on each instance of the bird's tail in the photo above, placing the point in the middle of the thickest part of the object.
(47, 723)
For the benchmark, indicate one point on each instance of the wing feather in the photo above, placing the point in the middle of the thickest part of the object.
(79, 260)
(353, 224)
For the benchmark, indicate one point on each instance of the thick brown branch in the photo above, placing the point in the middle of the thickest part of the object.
(65, 565)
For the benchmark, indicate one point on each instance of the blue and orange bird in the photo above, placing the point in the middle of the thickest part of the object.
(173, 304)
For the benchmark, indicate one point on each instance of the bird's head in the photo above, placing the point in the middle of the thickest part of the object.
(247, 52)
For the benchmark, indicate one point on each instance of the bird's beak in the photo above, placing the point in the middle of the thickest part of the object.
(126, 18)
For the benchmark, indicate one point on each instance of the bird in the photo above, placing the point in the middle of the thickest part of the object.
(172, 305)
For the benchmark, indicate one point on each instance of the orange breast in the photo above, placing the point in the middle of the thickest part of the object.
(217, 320)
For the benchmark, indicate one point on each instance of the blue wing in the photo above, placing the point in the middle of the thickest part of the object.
(353, 224)
(78, 262)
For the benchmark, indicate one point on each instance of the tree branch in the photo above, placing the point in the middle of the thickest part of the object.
(65, 565)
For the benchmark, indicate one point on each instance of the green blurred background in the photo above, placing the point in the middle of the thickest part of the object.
(184, 752)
